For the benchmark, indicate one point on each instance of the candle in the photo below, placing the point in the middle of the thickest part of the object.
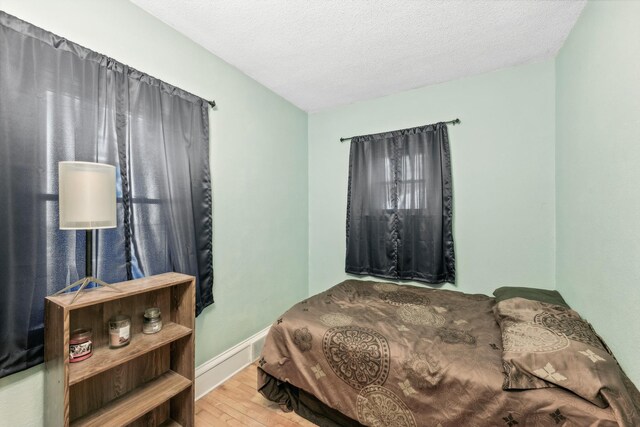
(152, 321)
(80, 345)
(119, 331)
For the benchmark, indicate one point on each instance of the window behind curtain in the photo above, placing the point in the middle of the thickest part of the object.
(399, 214)
(60, 101)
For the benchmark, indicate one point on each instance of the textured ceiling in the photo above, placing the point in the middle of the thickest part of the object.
(323, 53)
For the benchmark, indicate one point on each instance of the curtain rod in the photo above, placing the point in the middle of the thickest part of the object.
(452, 122)
(212, 103)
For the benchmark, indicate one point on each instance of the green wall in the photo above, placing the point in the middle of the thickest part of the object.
(598, 174)
(503, 174)
(259, 175)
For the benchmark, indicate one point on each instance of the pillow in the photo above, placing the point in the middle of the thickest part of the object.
(544, 295)
(548, 345)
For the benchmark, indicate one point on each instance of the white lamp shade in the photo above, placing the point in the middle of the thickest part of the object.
(87, 195)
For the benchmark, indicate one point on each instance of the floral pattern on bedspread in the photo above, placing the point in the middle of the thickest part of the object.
(358, 356)
(547, 345)
(399, 355)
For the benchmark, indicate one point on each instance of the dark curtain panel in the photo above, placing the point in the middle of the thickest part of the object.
(399, 211)
(60, 101)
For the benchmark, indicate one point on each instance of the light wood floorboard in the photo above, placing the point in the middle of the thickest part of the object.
(237, 403)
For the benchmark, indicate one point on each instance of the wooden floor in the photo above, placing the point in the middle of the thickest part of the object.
(237, 403)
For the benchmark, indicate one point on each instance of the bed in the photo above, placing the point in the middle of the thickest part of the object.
(381, 354)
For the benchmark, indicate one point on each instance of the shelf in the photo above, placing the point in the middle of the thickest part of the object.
(105, 358)
(170, 423)
(148, 382)
(101, 294)
(132, 405)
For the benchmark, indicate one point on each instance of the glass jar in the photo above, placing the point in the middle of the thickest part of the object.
(152, 321)
(119, 331)
(80, 345)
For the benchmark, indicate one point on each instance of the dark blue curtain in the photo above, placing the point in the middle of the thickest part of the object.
(400, 206)
(60, 101)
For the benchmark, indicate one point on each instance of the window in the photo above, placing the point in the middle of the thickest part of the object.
(61, 101)
(399, 214)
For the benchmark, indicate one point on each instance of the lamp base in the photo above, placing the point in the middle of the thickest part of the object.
(84, 283)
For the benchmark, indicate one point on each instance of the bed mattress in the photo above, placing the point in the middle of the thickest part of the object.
(381, 354)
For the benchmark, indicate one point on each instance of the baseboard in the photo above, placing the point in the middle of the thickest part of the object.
(215, 371)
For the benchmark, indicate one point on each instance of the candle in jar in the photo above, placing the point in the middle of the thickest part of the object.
(119, 331)
(152, 321)
(80, 345)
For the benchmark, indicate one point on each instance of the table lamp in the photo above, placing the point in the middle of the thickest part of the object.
(87, 201)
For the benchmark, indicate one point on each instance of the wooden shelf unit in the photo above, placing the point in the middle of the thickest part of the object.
(148, 382)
